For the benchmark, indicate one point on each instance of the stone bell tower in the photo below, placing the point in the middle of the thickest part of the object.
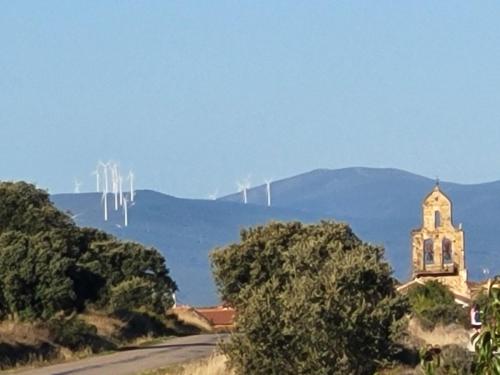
(438, 246)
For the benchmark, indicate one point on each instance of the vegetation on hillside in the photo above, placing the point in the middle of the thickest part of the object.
(51, 270)
(485, 360)
(433, 303)
(487, 342)
(311, 299)
(49, 265)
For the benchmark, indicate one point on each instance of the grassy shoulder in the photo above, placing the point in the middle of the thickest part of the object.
(34, 344)
(213, 365)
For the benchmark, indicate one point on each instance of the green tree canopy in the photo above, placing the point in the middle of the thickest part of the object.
(48, 264)
(311, 299)
(433, 303)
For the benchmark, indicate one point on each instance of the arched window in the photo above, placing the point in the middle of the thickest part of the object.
(437, 219)
(447, 251)
(428, 251)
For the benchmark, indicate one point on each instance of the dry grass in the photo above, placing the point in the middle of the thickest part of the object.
(190, 317)
(106, 326)
(12, 332)
(213, 365)
(440, 335)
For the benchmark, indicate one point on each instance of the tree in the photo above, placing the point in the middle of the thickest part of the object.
(49, 265)
(311, 299)
(433, 303)
(487, 341)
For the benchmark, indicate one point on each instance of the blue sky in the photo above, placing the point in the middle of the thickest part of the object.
(196, 95)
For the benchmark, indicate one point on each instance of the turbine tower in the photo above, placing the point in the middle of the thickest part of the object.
(105, 200)
(242, 188)
(77, 186)
(125, 210)
(114, 181)
(131, 179)
(268, 190)
(97, 177)
(105, 169)
(120, 189)
(213, 196)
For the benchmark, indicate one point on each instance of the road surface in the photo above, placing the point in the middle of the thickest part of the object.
(134, 360)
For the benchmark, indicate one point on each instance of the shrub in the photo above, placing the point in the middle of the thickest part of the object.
(311, 299)
(139, 293)
(487, 342)
(76, 335)
(451, 359)
(433, 303)
(140, 324)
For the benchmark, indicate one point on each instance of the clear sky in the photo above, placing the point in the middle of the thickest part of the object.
(196, 95)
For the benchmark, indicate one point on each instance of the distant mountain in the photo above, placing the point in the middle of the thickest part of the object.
(381, 205)
(184, 230)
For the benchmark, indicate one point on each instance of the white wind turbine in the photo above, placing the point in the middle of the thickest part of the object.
(97, 177)
(104, 199)
(120, 189)
(268, 191)
(114, 182)
(131, 180)
(242, 188)
(78, 184)
(125, 210)
(104, 167)
(213, 196)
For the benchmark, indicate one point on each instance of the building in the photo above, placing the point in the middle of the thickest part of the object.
(221, 318)
(437, 248)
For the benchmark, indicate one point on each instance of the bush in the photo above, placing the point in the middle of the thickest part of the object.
(311, 299)
(76, 335)
(451, 359)
(487, 342)
(140, 324)
(433, 303)
(139, 293)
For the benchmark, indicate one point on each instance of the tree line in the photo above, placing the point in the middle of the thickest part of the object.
(48, 265)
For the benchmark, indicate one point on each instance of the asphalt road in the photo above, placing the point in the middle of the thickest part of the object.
(134, 360)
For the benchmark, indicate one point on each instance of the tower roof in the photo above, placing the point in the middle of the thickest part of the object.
(437, 192)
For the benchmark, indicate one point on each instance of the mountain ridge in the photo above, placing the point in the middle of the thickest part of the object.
(382, 205)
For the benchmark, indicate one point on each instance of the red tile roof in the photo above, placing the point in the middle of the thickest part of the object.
(218, 316)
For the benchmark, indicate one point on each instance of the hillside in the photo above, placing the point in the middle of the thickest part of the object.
(382, 206)
(184, 230)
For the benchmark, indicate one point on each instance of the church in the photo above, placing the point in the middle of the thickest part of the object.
(437, 248)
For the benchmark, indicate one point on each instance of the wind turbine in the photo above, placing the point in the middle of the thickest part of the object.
(125, 210)
(105, 200)
(268, 190)
(213, 196)
(105, 169)
(120, 188)
(243, 187)
(77, 186)
(131, 179)
(114, 180)
(97, 177)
